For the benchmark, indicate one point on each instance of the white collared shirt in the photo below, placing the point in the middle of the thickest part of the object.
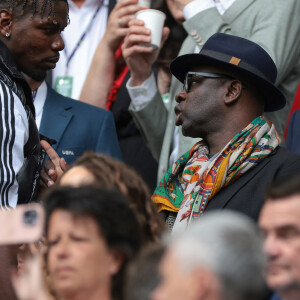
(148, 89)
(81, 61)
(197, 6)
(39, 102)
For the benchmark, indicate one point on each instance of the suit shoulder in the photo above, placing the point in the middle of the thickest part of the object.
(281, 162)
(296, 115)
(284, 154)
(81, 106)
(284, 162)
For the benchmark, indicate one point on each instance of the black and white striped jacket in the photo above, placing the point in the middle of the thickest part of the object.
(19, 140)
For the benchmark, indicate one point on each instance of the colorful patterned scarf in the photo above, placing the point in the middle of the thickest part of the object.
(195, 179)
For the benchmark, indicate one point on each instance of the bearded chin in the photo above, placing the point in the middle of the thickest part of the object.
(36, 76)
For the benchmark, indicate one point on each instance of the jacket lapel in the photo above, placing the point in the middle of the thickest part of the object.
(236, 9)
(56, 116)
(226, 194)
(111, 5)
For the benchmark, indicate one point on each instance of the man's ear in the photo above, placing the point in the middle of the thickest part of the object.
(117, 260)
(6, 20)
(205, 284)
(233, 91)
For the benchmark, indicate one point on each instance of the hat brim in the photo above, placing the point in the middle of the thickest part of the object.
(275, 100)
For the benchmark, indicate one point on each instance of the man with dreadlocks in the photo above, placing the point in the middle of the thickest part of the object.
(30, 41)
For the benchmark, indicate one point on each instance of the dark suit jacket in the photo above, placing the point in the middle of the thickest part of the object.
(77, 127)
(133, 147)
(293, 136)
(246, 195)
(275, 297)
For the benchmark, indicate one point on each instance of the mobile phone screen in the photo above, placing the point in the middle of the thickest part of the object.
(23, 225)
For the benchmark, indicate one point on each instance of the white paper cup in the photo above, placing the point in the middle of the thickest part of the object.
(144, 3)
(154, 20)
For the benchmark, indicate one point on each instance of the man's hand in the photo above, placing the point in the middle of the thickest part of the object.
(117, 24)
(140, 58)
(53, 169)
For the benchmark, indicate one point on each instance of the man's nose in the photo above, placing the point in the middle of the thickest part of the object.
(271, 246)
(58, 44)
(181, 96)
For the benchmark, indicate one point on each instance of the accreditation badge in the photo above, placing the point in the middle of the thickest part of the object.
(63, 85)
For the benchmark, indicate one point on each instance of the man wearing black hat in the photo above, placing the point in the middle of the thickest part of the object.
(226, 89)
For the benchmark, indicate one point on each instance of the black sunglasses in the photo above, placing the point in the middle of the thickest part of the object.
(198, 77)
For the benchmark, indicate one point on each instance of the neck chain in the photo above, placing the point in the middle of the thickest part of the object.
(34, 93)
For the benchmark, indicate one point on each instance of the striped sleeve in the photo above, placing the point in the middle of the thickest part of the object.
(13, 136)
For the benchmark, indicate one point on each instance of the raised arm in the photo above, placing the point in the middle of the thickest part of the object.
(101, 75)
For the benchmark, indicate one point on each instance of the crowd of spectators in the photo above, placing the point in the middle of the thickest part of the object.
(130, 172)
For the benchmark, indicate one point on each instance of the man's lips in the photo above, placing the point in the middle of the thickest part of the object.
(275, 267)
(178, 113)
(51, 61)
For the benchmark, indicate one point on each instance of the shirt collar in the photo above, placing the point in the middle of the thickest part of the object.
(223, 5)
(87, 4)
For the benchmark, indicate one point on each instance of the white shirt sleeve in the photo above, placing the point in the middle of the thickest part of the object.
(141, 95)
(13, 136)
(196, 6)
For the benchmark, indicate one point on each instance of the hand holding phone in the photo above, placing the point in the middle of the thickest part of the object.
(24, 224)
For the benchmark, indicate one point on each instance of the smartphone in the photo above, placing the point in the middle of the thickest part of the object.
(25, 224)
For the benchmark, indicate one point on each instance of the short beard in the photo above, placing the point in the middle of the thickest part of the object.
(36, 76)
(290, 290)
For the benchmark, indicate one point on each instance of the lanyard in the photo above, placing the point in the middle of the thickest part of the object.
(82, 36)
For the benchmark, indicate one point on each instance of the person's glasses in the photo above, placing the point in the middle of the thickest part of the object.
(198, 77)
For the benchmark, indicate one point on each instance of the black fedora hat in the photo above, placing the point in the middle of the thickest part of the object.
(240, 55)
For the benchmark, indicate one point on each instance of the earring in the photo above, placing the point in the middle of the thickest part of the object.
(7, 34)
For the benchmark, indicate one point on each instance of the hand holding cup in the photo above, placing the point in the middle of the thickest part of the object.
(154, 20)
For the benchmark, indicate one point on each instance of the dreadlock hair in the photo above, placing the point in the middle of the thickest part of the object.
(21, 7)
(113, 174)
